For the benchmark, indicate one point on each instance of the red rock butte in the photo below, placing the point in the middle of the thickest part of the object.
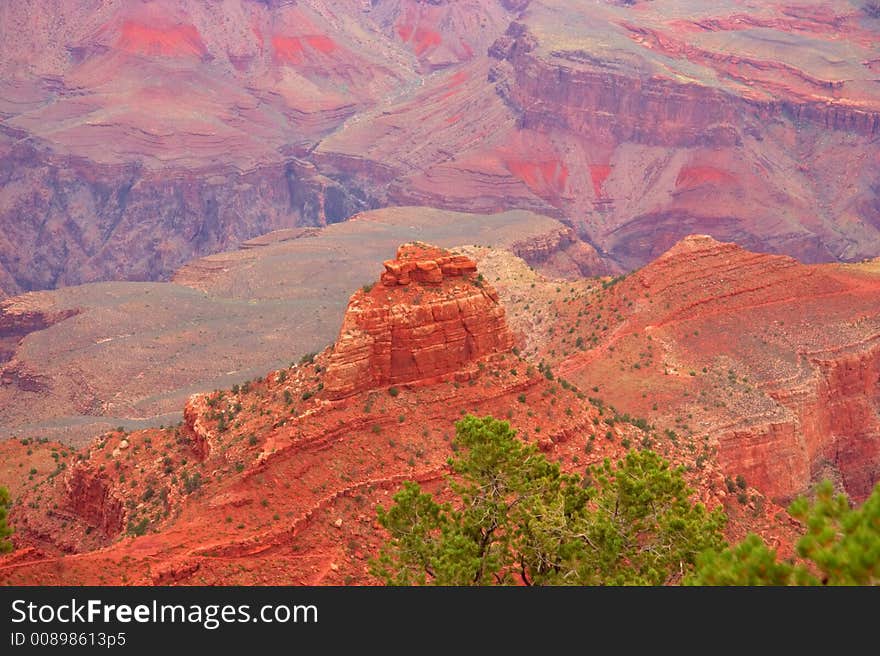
(431, 315)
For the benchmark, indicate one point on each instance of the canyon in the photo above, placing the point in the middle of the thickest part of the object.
(257, 257)
(138, 136)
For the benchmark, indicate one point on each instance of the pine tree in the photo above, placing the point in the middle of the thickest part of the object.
(517, 518)
(841, 546)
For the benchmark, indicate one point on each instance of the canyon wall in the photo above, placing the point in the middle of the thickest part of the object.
(833, 430)
(69, 221)
(773, 364)
(146, 134)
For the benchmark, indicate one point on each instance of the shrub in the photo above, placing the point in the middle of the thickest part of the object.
(140, 528)
(192, 483)
(632, 523)
(840, 547)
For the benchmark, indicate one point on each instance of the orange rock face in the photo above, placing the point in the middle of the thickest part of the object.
(430, 316)
(91, 497)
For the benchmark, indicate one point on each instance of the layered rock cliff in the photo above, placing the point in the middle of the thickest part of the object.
(639, 126)
(830, 430)
(764, 363)
(430, 314)
(68, 221)
(136, 136)
(90, 496)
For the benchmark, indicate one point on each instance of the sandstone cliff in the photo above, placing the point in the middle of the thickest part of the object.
(430, 314)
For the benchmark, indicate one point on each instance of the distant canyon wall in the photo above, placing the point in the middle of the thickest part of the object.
(68, 221)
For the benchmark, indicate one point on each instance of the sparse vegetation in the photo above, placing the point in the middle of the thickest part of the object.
(139, 528)
(192, 482)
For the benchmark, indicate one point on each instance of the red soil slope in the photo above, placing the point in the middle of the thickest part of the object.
(774, 362)
(275, 481)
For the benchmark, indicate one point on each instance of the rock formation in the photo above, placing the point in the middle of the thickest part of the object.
(430, 315)
(276, 479)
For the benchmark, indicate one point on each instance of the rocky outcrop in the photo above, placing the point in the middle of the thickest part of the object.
(561, 253)
(90, 497)
(430, 315)
(194, 427)
(426, 265)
